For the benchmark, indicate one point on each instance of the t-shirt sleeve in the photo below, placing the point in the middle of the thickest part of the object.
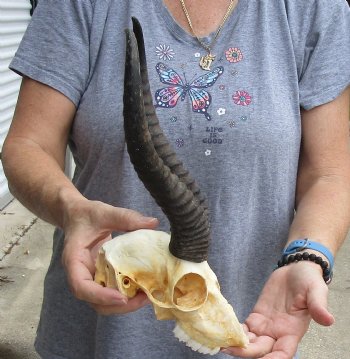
(55, 48)
(324, 69)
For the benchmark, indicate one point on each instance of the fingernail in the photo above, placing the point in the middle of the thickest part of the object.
(151, 219)
(120, 301)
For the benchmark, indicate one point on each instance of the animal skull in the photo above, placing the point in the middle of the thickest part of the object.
(179, 290)
(171, 269)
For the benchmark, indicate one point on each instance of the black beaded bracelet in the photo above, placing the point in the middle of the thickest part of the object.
(305, 256)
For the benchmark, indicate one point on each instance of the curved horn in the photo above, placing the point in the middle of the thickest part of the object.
(161, 144)
(156, 163)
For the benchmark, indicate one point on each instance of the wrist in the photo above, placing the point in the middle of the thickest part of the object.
(301, 266)
(71, 204)
(306, 250)
(306, 244)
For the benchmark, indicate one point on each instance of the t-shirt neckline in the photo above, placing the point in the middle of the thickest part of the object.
(181, 34)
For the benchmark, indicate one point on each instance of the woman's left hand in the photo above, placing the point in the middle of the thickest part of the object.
(292, 296)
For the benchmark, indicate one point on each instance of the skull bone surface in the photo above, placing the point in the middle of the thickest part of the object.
(179, 290)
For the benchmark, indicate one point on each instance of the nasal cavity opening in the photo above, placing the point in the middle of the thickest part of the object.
(190, 292)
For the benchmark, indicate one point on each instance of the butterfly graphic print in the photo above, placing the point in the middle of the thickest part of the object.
(168, 97)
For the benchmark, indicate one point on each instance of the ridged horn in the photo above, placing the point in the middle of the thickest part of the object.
(155, 161)
(161, 143)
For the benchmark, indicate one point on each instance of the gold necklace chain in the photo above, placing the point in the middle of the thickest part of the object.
(206, 61)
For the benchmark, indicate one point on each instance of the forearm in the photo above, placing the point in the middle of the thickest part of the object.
(323, 185)
(323, 211)
(37, 180)
(33, 153)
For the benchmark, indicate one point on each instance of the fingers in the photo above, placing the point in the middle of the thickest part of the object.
(265, 347)
(123, 219)
(104, 300)
(90, 226)
(96, 217)
(278, 323)
(93, 293)
(80, 278)
(257, 348)
(80, 267)
(133, 304)
(317, 302)
(251, 336)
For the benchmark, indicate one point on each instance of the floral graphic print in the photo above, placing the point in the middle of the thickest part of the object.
(164, 52)
(221, 111)
(233, 54)
(179, 142)
(242, 98)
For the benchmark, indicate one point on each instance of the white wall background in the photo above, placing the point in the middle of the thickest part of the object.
(14, 18)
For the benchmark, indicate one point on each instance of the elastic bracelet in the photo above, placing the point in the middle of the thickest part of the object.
(305, 256)
(305, 244)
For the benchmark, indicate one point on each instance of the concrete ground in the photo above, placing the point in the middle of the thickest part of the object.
(25, 245)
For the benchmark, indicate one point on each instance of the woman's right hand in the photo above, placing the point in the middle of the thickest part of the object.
(87, 225)
(33, 158)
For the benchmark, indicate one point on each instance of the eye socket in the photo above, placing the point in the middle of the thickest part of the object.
(190, 292)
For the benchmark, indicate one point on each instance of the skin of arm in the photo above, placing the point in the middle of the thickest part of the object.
(34, 150)
(33, 159)
(323, 188)
(297, 293)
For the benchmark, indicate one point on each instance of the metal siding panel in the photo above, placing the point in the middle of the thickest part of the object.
(15, 4)
(14, 19)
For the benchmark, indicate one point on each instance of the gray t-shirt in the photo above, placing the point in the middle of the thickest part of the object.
(242, 147)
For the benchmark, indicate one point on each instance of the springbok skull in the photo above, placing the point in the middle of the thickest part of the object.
(178, 289)
(171, 269)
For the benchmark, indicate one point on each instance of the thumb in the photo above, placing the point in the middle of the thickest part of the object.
(317, 302)
(124, 219)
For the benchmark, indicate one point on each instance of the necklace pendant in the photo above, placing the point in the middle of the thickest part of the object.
(206, 61)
